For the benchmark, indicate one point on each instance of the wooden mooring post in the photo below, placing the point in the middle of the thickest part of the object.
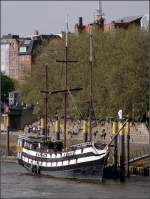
(115, 158)
(122, 152)
(121, 157)
(85, 131)
(127, 133)
(57, 128)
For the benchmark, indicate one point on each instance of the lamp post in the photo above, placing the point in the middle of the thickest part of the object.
(6, 125)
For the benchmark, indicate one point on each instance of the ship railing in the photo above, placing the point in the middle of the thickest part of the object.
(82, 145)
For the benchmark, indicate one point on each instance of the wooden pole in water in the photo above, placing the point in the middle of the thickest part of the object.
(122, 153)
(114, 131)
(127, 132)
(57, 128)
(85, 131)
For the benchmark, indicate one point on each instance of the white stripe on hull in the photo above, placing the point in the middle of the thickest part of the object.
(64, 154)
(62, 163)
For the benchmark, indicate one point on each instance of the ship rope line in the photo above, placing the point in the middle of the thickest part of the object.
(95, 115)
(78, 110)
(75, 104)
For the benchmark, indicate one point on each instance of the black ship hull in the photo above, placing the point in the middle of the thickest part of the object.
(88, 171)
(83, 161)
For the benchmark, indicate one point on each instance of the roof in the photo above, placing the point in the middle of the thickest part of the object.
(128, 19)
(10, 36)
(28, 45)
(31, 43)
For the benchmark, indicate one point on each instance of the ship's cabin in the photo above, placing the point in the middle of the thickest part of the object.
(40, 144)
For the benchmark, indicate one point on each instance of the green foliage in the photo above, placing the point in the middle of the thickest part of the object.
(120, 73)
(7, 85)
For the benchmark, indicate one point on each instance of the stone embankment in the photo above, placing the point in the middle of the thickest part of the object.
(139, 135)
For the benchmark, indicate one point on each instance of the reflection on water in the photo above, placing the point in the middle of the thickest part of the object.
(16, 182)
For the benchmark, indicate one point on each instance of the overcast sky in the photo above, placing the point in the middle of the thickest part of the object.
(49, 16)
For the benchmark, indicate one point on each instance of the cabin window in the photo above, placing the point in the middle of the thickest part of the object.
(27, 145)
(34, 146)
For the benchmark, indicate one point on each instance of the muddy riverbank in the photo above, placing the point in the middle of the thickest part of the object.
(16, 182)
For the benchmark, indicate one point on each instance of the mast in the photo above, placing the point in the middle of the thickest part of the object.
(66, 90)
(46, 100)
(66, 82)
(91, 87)
(46, 93)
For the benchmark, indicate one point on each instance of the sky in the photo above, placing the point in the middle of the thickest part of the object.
(48, 17)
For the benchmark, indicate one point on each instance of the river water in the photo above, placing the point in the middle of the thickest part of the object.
(16, 182)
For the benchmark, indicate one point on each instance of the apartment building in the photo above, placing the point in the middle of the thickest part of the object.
(9, 55)
(17, 54)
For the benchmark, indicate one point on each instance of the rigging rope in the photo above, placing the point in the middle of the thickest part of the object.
(95, 115)
(73, 100)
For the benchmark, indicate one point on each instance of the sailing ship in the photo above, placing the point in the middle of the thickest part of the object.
(43, 156)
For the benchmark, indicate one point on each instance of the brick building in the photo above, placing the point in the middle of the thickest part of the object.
(97, 24)
(17, 54)
(25, 55)
(127, 22)
(9, 55)
(124, 23)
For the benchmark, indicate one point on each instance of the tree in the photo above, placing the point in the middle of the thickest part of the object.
(120, 73)
(7, 85)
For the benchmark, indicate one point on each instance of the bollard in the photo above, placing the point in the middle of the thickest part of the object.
(85, 131)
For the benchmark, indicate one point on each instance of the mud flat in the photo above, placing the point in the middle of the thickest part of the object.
(16, 182)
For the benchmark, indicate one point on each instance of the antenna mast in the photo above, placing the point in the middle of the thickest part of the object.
(99, 19)
(99, 11)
